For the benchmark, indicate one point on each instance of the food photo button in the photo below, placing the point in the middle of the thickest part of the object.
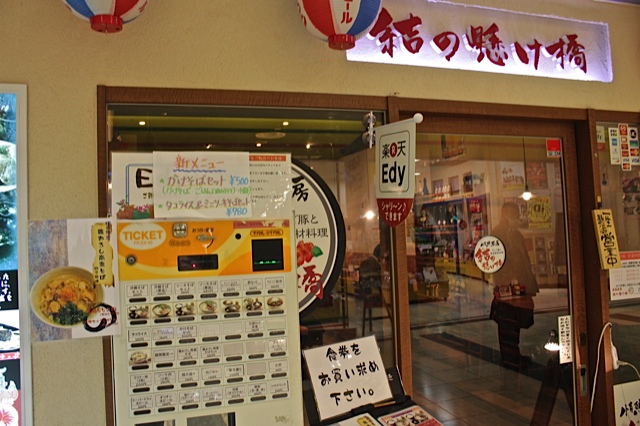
(208, 309)
(162, 313)
(275, 304)
(232, 308)
(253, 306)
(139, 360)
(137, 314)
(185, 309)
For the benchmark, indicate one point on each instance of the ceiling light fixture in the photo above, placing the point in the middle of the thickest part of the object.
(270, 135)
(552, 344)
(142, 122)
(258, 144)
(285, 123)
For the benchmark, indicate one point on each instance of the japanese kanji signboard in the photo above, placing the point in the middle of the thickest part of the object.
(395, 169)
(607, 239)
(320, 236)
(489, 254)
(347, 375)
(475, 38)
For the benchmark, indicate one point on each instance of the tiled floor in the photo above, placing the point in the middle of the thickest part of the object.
(460, 379)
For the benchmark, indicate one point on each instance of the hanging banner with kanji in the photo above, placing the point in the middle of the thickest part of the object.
(395, 170)
(607, 239)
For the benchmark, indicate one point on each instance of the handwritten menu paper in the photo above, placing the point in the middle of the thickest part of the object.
(347, 375)
(201, 184)
(270, 184)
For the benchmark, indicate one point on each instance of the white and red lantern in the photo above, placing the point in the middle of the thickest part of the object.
(340, 22)
(107, 16)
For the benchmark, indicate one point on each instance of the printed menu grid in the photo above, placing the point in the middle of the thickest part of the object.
(205, 343)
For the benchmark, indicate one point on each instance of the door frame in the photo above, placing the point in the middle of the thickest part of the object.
(517, 120)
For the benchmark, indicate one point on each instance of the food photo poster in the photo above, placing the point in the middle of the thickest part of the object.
(73, 279)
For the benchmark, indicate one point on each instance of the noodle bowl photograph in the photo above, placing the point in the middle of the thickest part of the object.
(64, 297)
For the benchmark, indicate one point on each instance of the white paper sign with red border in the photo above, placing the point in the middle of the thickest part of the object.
(395, 169)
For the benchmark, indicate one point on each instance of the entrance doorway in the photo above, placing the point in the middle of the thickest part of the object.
(478, 337)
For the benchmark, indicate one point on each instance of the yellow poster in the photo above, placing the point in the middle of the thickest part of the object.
(607, 239)
(539, 212)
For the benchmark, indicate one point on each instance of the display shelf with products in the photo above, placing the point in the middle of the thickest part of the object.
(445, 234)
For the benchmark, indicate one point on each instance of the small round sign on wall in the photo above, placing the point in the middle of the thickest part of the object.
(489, 254)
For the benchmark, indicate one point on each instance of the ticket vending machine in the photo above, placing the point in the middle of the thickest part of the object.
(210, 323)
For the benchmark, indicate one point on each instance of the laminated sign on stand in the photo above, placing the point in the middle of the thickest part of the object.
(395, 169)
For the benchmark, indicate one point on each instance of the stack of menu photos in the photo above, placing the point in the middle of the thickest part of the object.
(409, 416)
(359, 420)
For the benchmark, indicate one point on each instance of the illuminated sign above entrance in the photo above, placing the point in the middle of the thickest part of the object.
(447, 35)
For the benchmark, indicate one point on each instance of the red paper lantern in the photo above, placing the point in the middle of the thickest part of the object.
(340, 22)
(107, 16)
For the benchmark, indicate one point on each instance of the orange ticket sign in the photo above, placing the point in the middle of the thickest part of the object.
(607, 239)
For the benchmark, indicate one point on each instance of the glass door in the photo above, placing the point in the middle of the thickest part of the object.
(479, 332)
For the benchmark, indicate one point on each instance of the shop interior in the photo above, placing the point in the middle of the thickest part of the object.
(460, 373)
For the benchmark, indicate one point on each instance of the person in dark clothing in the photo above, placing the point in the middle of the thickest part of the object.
(512, 313)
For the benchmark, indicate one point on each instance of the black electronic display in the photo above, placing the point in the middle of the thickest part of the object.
(267, 255)
(198, 262)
